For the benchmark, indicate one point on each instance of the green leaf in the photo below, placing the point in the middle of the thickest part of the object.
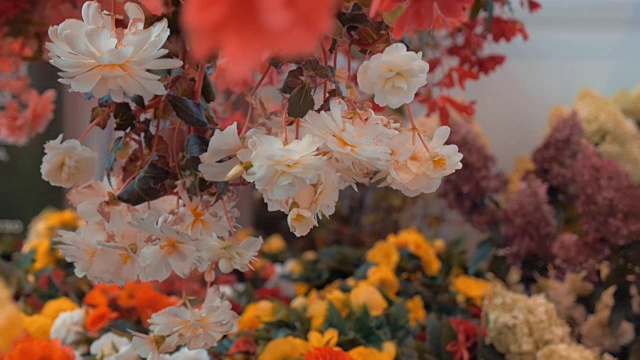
(117, 145)
(139, 101)
(208, 92)
(335, 320)
(292, 81)
(398, 320)
(312, 67)
(301, 101)
(189, 111)
(196, 145)
(102, 114)
(475, 10)
(621, 306)
(488, 7)
(483, 250)
(124, 116)
(434, 329)
(147, 185)
(364, 328)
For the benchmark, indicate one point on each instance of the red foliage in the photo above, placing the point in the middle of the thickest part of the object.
(507, 29)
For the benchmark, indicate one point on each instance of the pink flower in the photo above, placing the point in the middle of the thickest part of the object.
(18, 125)
(248, 32)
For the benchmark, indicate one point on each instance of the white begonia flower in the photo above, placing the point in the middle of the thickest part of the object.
(357, 149)
(301, 221)
(67, 163)
(150, 346)
(186, 354)
(394, 76)
(196, 328)
(278, 170)
(223, 144)
(232, 254)
(68, 327)
(416, 171)
(112, 347)
(96, 58)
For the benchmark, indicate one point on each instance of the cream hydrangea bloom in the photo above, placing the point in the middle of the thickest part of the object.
(69, 327)
(572, 351)
(519, 326)
(97, 58)
(68, 163)
(394, 76)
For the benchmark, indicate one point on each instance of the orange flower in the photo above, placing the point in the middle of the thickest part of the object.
(149, 301)
(250, 31)
(327, 353)
(99, 295)
(99, 317)
(126, 298)
(38, 349)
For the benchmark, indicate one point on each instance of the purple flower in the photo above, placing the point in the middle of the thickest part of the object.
(529, 225)
(573, 253)
(608, 203)
(555, 157)
(470, 189)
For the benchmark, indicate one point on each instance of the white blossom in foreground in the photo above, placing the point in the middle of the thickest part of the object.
(416, 171)
(112, 347)
(394, 76)
(196, 328)
(223, 144)
(231, 253)
(67, 163)
(68, 327)
(96, 58)
(186, 354)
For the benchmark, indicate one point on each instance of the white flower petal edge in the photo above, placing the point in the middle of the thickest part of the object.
(394, 76)
(104, 61)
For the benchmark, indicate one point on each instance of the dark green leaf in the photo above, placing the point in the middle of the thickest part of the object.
(312, 67)
(334, 319)
(434, 329)
(488, 7)
(124, 116)
(301, 101)
(364, 328)
(111, 160)
(292, 81)
(196, 145)
(483, 250)
(621, 306)
(208, 93)
(475, 10)
(189, 111)
(102, 115)
(147, 185)
(139, 101)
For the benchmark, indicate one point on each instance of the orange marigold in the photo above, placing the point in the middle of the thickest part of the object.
(149, 301)
(99, 317)
(250, 31)
(327, 353)
(39, 349)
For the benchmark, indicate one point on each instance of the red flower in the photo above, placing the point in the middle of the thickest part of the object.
(243, 345)
(443, 103)
(507, 29)
(32, 349)
(327, 353)
(466, 337)
(248, 32)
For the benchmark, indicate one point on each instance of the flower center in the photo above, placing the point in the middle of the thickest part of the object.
(439, 162)
(171, 245)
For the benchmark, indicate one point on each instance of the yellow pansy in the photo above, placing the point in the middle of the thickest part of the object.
(388, 352)
(53, 308)
(338, 299)
(317, 312)
(286, 348)
(406, 238)
(417, 312)
(301, 288)
(256, 314)
(428, 257)
(43, 256)
(367, 295)
(471, 287)
(295, 268)
(11, 326)
(38, 326)
(384, 279)
(274, 244)
(328, 338)
(384, 253)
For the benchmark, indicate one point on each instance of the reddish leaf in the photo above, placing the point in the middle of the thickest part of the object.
(507, 29)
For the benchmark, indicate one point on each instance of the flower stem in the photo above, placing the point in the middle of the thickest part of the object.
(415, 129)
(199, 82)
(245, 126)
(91, 126)
(226, 215)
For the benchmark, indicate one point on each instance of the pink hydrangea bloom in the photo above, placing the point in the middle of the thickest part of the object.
(18, 124)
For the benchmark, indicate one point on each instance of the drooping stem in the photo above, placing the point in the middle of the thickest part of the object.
(285, 119)
(91, 126)
(326, 63)
(175, 149)
(199, 82)
(297, 129)
(245, 126)
(226, 215)
(415, 130)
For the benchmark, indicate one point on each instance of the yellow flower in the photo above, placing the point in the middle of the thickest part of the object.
(417, 313)
(301, 288)
(11, 325)
(286, 348)
(43, 254)
(338, 299)
(317, 312)
(256, 314)
(53, 308)
(440, 246)
(470, 287)
(384, 253)
(328, 338)
(366, 295)
(296, 268)
(37, 325)
(405, 238)
(274, 244)
(413, 240)
(388, 352)
(384, 279)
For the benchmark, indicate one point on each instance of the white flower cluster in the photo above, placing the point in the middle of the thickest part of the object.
(121, 242)
(519, 326)
(95, 57)
(114, 347)
(333, 150)
(572, 351)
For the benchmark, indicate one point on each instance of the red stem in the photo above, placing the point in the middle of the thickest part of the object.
(415, 129)
(199, 82)
(91, 126)
(226, 215)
